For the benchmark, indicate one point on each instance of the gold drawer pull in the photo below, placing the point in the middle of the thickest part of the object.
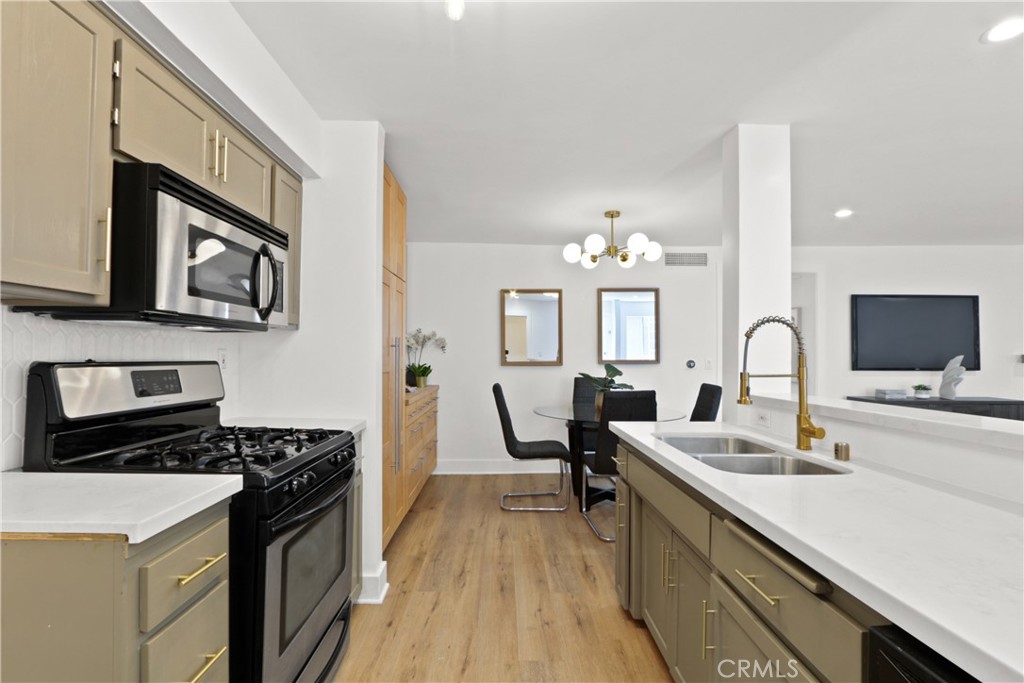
(211, 660)
(618, 462)
(704, 647)
(210, 561)
(771, 599)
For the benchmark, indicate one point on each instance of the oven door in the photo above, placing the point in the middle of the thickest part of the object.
(308, 553)
(208, 267)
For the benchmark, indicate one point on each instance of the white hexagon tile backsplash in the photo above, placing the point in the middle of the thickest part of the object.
(27, 338)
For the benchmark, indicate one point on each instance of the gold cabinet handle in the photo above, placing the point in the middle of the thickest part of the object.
(772, 600)
(216, 153)
(704, 647)
(225, 176)
(618, 462)
(210, 661)
(110, 220)
(669, 579)
(210, 561)
(662, 565)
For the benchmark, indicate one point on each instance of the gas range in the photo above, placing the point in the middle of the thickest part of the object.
(292, 519)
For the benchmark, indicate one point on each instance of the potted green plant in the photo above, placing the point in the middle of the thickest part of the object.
(606, 383)
(922, 391)
(416, 371)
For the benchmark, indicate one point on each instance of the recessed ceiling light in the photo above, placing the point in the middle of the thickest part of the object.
(844, 213)
(1004, 30)
(455, 9)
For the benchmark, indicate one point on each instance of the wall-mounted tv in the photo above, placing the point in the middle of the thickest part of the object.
(914, 332)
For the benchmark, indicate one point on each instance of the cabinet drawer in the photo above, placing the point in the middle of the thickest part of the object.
(195, 641)
(787, 595)
(622, 456)
(161, 587)
(689, 517)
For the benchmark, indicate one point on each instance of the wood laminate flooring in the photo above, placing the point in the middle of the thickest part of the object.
(481, 594)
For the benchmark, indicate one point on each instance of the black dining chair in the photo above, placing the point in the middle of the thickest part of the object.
(532, 450)
(708, 399)
(584, 393)
(619, 406)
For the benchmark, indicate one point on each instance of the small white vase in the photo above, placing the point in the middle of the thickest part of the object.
(922, 393)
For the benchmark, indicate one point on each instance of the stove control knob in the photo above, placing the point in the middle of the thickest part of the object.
(335, 459)
(298, 485)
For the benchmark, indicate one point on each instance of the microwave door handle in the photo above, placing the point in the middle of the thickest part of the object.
(275, 277)
(256, 280)
(265, 309)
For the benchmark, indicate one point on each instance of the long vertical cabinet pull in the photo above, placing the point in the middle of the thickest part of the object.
(216, 153)
(225, 176)
(704, 647)
(670, 564)
(106, 249)
(664, 573)
(399, 385)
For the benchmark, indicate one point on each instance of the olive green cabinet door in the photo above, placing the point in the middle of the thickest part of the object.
(56, 187)
(161, 120)
(744, 647)
(657, 602)
(242, 171)
(286, 213)
(622, 544)
(692, 579)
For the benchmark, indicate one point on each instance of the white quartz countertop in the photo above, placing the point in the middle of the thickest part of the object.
(348, 424)
(138, 506)
(947, 569)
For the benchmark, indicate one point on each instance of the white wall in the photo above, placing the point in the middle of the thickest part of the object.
(331, 367)
(27, 338)
(994, 273)
(455, 290)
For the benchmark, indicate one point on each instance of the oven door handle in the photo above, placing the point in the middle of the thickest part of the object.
(278, 528)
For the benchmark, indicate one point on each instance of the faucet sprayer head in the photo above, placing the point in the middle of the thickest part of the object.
(775, 319)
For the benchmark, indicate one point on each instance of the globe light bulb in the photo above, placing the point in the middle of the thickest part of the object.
(653, 252)
(627, 259)
(594, 244)
(572, 252)
(589, 261)
(637, 243)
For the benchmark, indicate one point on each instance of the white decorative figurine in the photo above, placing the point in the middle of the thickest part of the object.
(951, 376)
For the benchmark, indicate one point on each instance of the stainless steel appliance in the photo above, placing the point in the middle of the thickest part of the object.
(183, 256)
(291, 529)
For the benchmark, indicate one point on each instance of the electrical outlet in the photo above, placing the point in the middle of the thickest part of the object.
(222, 358)
(764, 419)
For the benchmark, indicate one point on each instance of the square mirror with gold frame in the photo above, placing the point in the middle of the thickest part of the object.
(531, 327)
(628, 326)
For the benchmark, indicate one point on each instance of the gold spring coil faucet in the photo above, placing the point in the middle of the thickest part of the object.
(805, 429)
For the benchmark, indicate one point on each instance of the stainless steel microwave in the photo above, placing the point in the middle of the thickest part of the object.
(181, 255)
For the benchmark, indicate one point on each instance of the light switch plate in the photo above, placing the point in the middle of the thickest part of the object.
(764, 419)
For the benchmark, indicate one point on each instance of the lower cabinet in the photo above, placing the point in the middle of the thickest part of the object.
(81, 607)
(623, 492)
(721, 602)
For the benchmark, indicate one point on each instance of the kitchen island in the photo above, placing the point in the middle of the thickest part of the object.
(945, 568)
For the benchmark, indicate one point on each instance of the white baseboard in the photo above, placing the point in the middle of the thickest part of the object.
(509, 466)
(375, 587)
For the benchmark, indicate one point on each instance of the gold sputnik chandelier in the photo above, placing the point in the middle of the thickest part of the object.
(594, 247)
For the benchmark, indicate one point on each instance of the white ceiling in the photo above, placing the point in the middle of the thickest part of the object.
(525, 121)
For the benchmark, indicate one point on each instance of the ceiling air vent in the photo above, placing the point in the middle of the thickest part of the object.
(686, 259)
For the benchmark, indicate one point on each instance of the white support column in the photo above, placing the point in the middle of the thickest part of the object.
(756, 256)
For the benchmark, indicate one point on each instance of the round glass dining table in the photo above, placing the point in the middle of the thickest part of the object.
(580, 417)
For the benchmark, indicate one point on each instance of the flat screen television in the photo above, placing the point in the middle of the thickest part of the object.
(914, 332)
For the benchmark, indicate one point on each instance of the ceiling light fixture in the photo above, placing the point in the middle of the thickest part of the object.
(844, 213)
(1004, 30)
(594, 248)
(454, 9)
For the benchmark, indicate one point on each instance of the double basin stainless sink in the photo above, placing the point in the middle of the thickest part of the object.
(738, 455)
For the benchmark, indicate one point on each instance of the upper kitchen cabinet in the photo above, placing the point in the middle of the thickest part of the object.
(159, 119)
(286, 213)
(394, 225)
(56, 160)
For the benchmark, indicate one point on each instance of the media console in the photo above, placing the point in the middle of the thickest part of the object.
(1006, 408)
